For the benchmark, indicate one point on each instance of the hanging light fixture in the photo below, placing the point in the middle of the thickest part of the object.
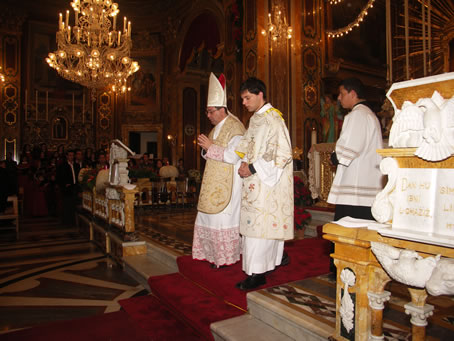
(94, 52)
(277, 27)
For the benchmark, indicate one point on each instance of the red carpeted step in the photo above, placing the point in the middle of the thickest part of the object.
(190, 303)
(157, 321)
(308, 258)
(117, 326)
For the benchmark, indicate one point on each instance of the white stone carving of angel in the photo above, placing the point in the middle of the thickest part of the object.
(408, 126)
(405, 266)
(447, 120)
(442, 280)
(435, 145)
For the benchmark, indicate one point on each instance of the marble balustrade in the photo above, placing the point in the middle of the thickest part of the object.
(361, 281)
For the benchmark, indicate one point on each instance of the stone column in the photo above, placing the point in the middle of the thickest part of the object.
(376, 302)
(129, 196)
(419, 312)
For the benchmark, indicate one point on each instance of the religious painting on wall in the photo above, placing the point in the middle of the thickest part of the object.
(145, 86)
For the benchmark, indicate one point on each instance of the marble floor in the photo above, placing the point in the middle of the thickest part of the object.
(52, 274)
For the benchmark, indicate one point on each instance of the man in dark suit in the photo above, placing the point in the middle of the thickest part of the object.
(67, 181)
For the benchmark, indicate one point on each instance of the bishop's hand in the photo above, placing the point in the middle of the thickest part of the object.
(204, 141)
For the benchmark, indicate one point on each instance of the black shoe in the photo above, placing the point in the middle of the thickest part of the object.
(285, 259)
(252, 282)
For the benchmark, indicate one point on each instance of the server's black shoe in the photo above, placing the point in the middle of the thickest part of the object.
(252, 282)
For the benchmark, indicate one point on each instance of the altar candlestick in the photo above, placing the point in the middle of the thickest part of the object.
(313, 136)
(36, 105)
(73, 107)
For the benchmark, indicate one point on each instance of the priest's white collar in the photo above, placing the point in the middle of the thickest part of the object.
(263, 109)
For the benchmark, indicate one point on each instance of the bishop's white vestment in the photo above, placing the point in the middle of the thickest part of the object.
(216, 230)
(267, 197)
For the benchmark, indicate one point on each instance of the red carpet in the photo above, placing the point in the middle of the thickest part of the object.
(191, 303)
(117, 326)
(308, 258)
(157, 321)
(186, 303)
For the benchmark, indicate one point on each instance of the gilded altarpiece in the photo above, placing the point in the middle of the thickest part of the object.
(105, 125)
(233, 54)
(54, 111)
(10, 104)
(311, 51)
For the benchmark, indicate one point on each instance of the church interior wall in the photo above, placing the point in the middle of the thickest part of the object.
(176, 55)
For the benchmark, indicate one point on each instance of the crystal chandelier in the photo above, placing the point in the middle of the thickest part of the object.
(277, 26)
(94, 52)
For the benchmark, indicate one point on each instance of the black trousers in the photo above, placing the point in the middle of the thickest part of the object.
(69, 202)
(359, 212)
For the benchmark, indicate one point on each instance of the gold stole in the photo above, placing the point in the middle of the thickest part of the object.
(217, 182)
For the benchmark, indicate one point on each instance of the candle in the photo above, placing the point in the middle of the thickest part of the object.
(114, 22)
(129, 28)
(47, 105)
(318, 176)
(83, 108)
(69, 34)
(73, 107)
(119, 35)
(60, 21)
(77, 18)
(110, 38)
(36, 105)
(78, 34)
(67, 18)
(313, 137)
(124, 24)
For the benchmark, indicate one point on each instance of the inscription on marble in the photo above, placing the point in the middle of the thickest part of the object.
(425, 200)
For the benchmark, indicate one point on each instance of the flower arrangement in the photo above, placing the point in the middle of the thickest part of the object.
(302, 199)
(87, 178)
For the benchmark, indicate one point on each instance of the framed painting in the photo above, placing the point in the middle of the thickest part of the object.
(145, 85)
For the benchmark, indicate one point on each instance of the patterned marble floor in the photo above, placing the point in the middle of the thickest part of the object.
(52, 274)
(316, 298)
(172, 228)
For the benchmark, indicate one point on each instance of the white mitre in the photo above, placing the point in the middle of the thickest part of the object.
(217, 94)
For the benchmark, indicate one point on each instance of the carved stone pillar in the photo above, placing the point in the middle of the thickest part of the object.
(377, 297)
(419, 312)
(129, 195)
(376, 302)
